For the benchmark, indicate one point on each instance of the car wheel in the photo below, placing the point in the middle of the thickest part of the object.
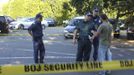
(11, 28)
(21, 27)
(66, 37)
(51, 25)
(43, 26)
(130, 36)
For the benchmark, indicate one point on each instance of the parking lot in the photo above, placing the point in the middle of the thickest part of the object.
(17, 49)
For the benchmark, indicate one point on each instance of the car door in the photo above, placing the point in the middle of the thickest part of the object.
(27, 23)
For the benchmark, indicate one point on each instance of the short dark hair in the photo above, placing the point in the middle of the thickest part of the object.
(88, 14)
(96, 10)
(38, 16)
(104, 17)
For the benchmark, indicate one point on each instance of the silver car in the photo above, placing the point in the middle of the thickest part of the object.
(69, 29)
(24, 23)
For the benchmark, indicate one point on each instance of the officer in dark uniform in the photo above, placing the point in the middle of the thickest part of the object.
(84, 29)
(97, 22)
(36, 31)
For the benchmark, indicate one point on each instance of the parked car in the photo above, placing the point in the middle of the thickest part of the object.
(65, 23)
(24, 23)
(130, 33)
(44, 24)
(116, 27)
(4, 23)
(117, 32)
(51, 22)
(69, 29)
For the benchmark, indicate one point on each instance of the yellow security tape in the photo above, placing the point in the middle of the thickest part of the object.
(66, 67)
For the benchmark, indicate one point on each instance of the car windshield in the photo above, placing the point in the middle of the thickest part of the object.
(73, 21)
(31, 19)
(26, 19)
(49, 19)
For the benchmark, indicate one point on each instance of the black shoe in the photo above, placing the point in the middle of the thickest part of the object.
(41, 61)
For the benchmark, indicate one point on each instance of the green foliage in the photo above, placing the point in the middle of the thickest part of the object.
(66, 9)
(119, 9)
(68, 12)
(115, 9)
(29, 8)
(22, 8)
(83, 6)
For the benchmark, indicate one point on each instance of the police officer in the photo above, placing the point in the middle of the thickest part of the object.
(84, 29)
(97, 22)
(36, 31)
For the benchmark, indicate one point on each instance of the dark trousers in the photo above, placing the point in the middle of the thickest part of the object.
(84, 50)
(39, 50)
(96, 46)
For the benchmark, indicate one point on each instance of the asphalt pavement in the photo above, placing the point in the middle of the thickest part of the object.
(17, 49)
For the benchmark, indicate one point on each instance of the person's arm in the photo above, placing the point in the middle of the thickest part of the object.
(112, 34)
(93, 31)
(30, 32)
(74, 36)
(111, 38)
(97, 33)
(30, 29)
(75, 33)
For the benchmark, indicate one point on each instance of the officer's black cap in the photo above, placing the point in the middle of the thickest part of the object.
(96, 10)
(88, 14)
(104, 16)
(38, 16)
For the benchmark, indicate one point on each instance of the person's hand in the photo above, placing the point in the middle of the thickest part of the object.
(91, 39)
(92, 31)
(31, 35)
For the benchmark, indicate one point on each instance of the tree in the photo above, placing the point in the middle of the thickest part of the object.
(29, 8)
(83, 6)
(113, 8)
(58, 9)
(121, 8)
(23, 8)
(68, 11)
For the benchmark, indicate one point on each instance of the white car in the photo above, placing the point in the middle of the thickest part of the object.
(69, 29)
(24, 23)
(44, 24)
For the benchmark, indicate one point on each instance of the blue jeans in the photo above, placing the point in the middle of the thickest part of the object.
(102, 55)
(39, 50)
(84, 50)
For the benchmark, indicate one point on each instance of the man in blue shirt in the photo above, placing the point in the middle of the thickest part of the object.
(97, 22)
(36, 31)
